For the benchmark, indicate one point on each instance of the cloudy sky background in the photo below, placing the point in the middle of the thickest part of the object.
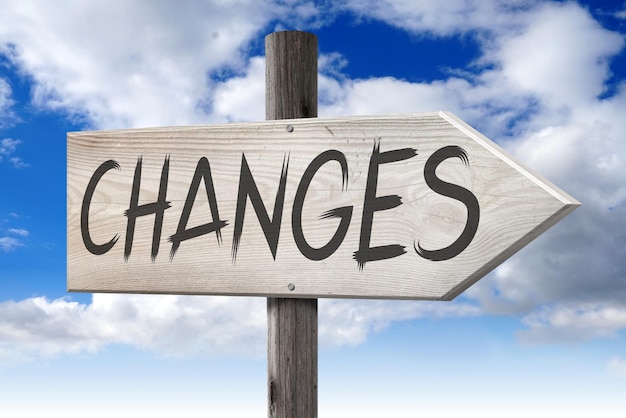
(546, 80)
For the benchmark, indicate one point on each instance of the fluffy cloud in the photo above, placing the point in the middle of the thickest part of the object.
(242, 98)
(19, 231)
(543, 94)
(7, 115)
(137, 64)
(38, 326)
(141, 63)
(617, 367)
(540, 88)
(439, 18)
(13, 239)
(8, 146)
(573, 323)
(574, 138)
(561, 56)
(9, 243)
(345, 322)
(186, 325)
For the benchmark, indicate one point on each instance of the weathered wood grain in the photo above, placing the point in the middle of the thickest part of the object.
(516, 205)
(291, 92)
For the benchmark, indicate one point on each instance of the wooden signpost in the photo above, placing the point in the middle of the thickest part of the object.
(412, 206)
(291, 92)
(406, 207)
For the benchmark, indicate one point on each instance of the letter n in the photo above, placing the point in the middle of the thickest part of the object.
(248, 188)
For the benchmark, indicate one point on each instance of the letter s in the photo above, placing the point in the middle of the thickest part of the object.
(455, 192)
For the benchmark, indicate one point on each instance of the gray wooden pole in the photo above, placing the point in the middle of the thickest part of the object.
(291, 92)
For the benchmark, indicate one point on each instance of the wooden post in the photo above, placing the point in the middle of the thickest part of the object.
(291, 92)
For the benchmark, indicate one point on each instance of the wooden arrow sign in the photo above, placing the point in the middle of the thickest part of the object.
(415, 206)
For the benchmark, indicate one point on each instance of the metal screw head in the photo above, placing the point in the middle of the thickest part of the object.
(291, 287)
(289, 128)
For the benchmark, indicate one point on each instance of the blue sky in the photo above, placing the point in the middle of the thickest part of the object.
(544, 332)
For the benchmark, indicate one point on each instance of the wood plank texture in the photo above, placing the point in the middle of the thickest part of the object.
(290, 75)
(291, 92)
(516, 206)
(292, 357)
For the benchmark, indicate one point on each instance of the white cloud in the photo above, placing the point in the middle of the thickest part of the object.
(393, 96)
(442, 18)
(617, 367)
(542, 58)
(18, 162)
(11, 243)
(346, 322)
(148, 68)
(19, 231)
(541, 92)
(561, 56)
(168, 325)
(573, 323)
(584, 258)
(152, 67)
(8, 146)
(242, 98)
(172, 325)
(8, 244)
(7, 116)
(536, 88)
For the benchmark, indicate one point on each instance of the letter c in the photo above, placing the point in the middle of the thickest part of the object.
(84, 211)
